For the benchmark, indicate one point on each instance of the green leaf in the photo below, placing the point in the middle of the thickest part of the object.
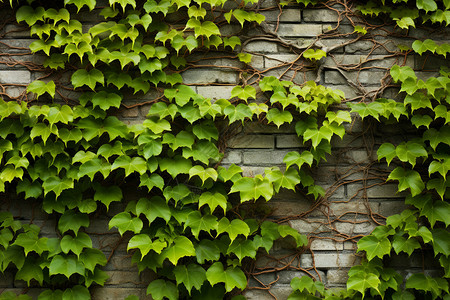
(286, 230)
(78, 292)
(198, 223)
(191, 276)
(145, 244)
(279, 117)
(242, 248)
(157, 125)
(56, 185)
(373, 109)
(124, 222)
(253, 188)
(51, 295)
(440, 241)
(175, 166)
(213, 200)
(207, 28)
(407, 179)
(92, 257)
(107, 194)
(387, 150)
(153, 208)
(298, 159)
(232, 277)
(160, 289)
(425, 283)
(244, 93)
(71, 220)
(30, 270)
(153, 181)
(408, 152)
(400, 244)
(80, 3)
(374, 247)
(436, 211)
(30, 15)
(31, 242)
(180, 247)
(76, 244)
(234, 228)
(40, 87)
(206, 130)
(317, 135)
(203, 173)
(106, 100)
(316, 54)
(207, 250)
(66, 265)
(130, 165)
(362, 281)
(82, 77)
(237, 113)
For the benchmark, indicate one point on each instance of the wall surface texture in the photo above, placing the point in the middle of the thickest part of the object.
(357, 198)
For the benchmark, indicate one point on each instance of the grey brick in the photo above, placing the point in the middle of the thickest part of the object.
(261, 47)
(330, 260)
(215, 92)
(320, 15)
(15, 77)
(299, 30)
(288, 141)
(276, 60)
(326, 244)
(287, 15)
(113, 293)
(209, 76)
(337, 276)
(232, 157)
(251, 141)
(249, 171)
(264, 157)
(359, 228)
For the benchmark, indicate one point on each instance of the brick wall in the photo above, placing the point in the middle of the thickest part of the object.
(357, 195)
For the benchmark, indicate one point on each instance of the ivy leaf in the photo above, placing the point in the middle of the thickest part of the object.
(436, 211)
(153, 181)
(207, 28)
(427, 5)
(180, 247)
(71, 220)
(153, 208)
(232, 277)
(233, 228)
(78, 292)
(157, 125)
(40, 87)
(66, 265)
(242, 248)
(408, 152)
(130, 165)
(407, 179)
(373, 109)
(57, 185)
(400, 244)
(145, 244)
(203, 173)
(160, 289)
(51, 295)
(83, 77)
(206, 130)
(374, 247)
(106, 100)
(243, 93)
(425, 283)
(30, 15)
(191, 276)
(362, 281)
(107, 194)
(440, 241)
(30, 270)
(92, 257)
(76, 244)
(175, 166)
(124, 222)
(237, 113)
(31, 242)
(279, 117)
(297, 158)
(253, 188)
(213, 200)
(196, 222)
(80, 3)
(316, 54)
(387, 150)
(31, 190)
(288, 180)
(317, 135)
(207, 250)
(300, 239)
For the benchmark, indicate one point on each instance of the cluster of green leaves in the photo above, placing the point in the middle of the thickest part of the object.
(408, 13)
(425, 225)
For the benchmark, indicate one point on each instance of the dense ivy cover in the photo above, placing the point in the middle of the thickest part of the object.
(194, 228)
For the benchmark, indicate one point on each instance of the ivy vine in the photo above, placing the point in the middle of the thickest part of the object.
(193, 226)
